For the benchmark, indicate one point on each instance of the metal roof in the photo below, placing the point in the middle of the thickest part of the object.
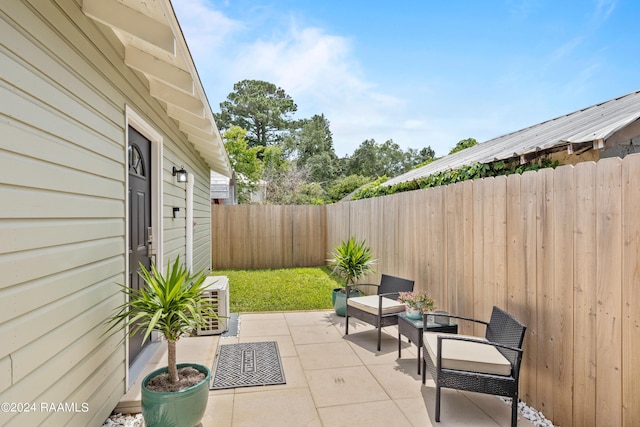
(589, 125)
(155, 46)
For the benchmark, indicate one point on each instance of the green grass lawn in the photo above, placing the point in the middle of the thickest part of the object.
(284, 289)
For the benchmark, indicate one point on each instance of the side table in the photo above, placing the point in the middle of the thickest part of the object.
(413, 329)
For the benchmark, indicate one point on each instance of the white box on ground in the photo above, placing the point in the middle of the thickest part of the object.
(217, 294)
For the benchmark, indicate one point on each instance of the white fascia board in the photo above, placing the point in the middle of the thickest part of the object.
(117, 15)
(170, 95)
(157, 68)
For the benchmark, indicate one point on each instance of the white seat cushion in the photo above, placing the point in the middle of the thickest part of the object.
(369, 303)
(466, 355)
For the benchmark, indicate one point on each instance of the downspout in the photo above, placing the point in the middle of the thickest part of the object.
(189, 224)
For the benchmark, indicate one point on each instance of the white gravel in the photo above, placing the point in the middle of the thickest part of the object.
(124, 420)
(135, 420)
(536, 418)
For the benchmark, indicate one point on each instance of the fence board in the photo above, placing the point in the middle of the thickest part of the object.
(631, 292)
(391, 226)
(488, 256)
(478, 254)
(285, 228)
(422, 234)
(377, 235)
(608, 319)
(308, 240)
(467, 262)
(500, 241)
(337, 223)
(454, 218)
(408, 224)
(585, 300)
(544, 291)
(437, 245)
(528, 206)
(517, 270)
(562, 314)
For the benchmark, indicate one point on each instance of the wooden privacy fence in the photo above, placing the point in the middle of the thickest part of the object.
(267, 236)
(559, 249)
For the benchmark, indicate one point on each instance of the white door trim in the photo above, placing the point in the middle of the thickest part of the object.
(136, 121)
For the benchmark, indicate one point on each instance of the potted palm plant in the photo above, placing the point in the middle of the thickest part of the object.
(172, 304)
(350, 260)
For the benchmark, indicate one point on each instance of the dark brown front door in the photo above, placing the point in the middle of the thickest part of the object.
(139, 154)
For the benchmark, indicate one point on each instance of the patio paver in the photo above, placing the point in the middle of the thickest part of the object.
(327, 355)
(337, 380)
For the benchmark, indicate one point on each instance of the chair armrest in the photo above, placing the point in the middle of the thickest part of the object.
(389, 294)
(355, 285)
(453, 316)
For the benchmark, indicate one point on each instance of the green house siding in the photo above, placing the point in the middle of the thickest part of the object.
(65, 92)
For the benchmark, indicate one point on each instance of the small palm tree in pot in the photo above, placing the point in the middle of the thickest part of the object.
(173, 305)
(351, 260)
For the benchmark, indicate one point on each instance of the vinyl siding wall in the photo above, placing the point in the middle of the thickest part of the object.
(64, 90)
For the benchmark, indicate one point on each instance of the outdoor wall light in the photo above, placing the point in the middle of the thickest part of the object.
(176, 213)
(180, 174)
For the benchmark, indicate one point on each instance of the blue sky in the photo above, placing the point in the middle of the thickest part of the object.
(420, 72)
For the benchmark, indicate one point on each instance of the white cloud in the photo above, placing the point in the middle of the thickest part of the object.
(204, 29)
(318, 70)
(604, 8)
(305, 61)
(413, 124)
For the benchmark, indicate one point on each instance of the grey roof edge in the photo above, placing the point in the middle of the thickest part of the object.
(598, 121)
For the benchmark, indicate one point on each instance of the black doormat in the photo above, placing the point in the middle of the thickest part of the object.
(247, 365)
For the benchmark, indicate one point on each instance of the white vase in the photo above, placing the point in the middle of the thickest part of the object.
(414, 313)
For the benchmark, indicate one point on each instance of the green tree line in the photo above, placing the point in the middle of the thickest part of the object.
(295, 158)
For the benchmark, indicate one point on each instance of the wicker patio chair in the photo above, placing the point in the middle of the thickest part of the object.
(379, 310)
(490, 365)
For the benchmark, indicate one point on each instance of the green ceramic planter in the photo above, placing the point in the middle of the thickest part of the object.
(184, 408)
(333, 296)
(339, 300)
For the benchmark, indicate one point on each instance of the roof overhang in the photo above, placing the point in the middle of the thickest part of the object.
(576, 132)
(602, 131)
(155, 46)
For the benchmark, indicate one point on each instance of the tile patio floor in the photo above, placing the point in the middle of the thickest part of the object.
(333, 380)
